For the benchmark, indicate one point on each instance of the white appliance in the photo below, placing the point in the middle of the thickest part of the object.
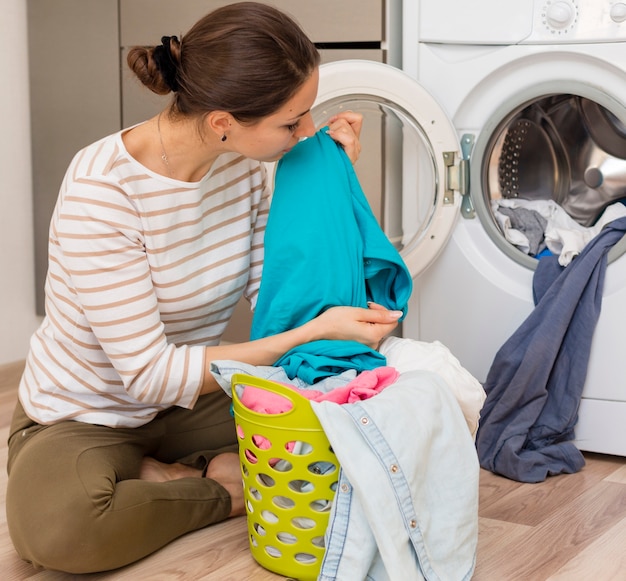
(542, 82)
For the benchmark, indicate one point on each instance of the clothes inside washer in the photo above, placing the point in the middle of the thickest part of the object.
(564, 148)
(562, 235)
(530, 223)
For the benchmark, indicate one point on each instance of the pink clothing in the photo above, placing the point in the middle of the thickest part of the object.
(367, 384)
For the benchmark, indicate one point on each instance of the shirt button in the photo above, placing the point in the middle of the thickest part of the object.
(413, 524)
(393, 468)
(365, 421)
(345, 488)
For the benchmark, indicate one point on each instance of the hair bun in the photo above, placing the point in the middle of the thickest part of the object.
(166, 62)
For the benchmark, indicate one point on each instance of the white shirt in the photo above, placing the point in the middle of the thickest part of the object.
(144, 271)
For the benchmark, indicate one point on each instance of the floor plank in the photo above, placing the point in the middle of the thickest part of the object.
(531, 505)
(560, 537)
(606, 554)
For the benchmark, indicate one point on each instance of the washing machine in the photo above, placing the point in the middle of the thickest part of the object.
(497, 100)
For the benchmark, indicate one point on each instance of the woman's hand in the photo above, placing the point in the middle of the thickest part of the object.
(367, 326)
(345, 129)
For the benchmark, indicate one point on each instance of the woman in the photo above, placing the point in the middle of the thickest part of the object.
(122, 440)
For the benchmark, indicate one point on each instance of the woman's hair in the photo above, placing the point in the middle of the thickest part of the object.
(247, 59)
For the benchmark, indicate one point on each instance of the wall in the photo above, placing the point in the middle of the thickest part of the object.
(17, 289)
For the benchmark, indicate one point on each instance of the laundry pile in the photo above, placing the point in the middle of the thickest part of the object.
(536, 225)
(367, 384)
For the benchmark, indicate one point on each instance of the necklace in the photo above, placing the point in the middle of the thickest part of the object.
(164, 157)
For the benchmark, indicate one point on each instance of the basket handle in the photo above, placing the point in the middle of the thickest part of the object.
(271, 386)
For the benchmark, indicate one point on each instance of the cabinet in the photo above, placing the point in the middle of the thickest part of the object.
(324, 21)
(74, 97)
(81, 88)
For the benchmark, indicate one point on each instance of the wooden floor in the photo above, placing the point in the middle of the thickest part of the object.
(569, 528)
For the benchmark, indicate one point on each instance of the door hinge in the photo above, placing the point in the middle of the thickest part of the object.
(458, 177)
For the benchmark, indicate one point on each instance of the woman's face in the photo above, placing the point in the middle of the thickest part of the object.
(276, 134)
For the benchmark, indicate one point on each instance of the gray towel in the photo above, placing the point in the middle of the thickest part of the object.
(531, 223)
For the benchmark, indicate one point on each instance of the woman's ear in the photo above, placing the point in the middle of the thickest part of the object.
(219, 122)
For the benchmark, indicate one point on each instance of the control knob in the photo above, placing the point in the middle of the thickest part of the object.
(560, 14)
(618, 12)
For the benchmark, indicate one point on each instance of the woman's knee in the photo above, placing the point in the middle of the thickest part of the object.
(50, 526)
(53, 511)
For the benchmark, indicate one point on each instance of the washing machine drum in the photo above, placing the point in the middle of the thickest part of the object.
(565, 148)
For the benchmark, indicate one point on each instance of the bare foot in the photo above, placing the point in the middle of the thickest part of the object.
(225, 469)
(155, 471)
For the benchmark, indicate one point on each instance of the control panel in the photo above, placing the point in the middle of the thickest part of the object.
(508, 22)
(578, 21)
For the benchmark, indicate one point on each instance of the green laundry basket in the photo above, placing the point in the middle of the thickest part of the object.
(290, 475)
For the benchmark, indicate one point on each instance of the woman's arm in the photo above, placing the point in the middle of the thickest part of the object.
(367, 326)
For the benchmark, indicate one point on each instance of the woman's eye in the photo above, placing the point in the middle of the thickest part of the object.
(293, 127)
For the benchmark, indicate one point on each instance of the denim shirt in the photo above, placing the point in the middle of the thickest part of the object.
(406, 505)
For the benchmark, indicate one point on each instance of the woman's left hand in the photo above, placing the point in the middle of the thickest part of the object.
(345, 129)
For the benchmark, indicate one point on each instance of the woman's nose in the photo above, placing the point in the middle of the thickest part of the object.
(306, 128)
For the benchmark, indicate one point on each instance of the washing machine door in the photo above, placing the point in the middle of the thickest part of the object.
(408, 166)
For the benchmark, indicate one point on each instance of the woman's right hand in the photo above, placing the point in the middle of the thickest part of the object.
(367, 326)
(345, 129)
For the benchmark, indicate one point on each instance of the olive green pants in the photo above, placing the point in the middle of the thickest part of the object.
(74, 501)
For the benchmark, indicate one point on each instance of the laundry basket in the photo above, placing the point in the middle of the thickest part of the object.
(290, 474)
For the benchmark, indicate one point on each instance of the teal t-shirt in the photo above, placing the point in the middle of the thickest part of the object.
(323, 248)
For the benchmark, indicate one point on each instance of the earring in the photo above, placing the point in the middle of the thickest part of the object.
(224, 137)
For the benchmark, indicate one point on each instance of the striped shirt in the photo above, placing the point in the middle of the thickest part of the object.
(144, 271)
